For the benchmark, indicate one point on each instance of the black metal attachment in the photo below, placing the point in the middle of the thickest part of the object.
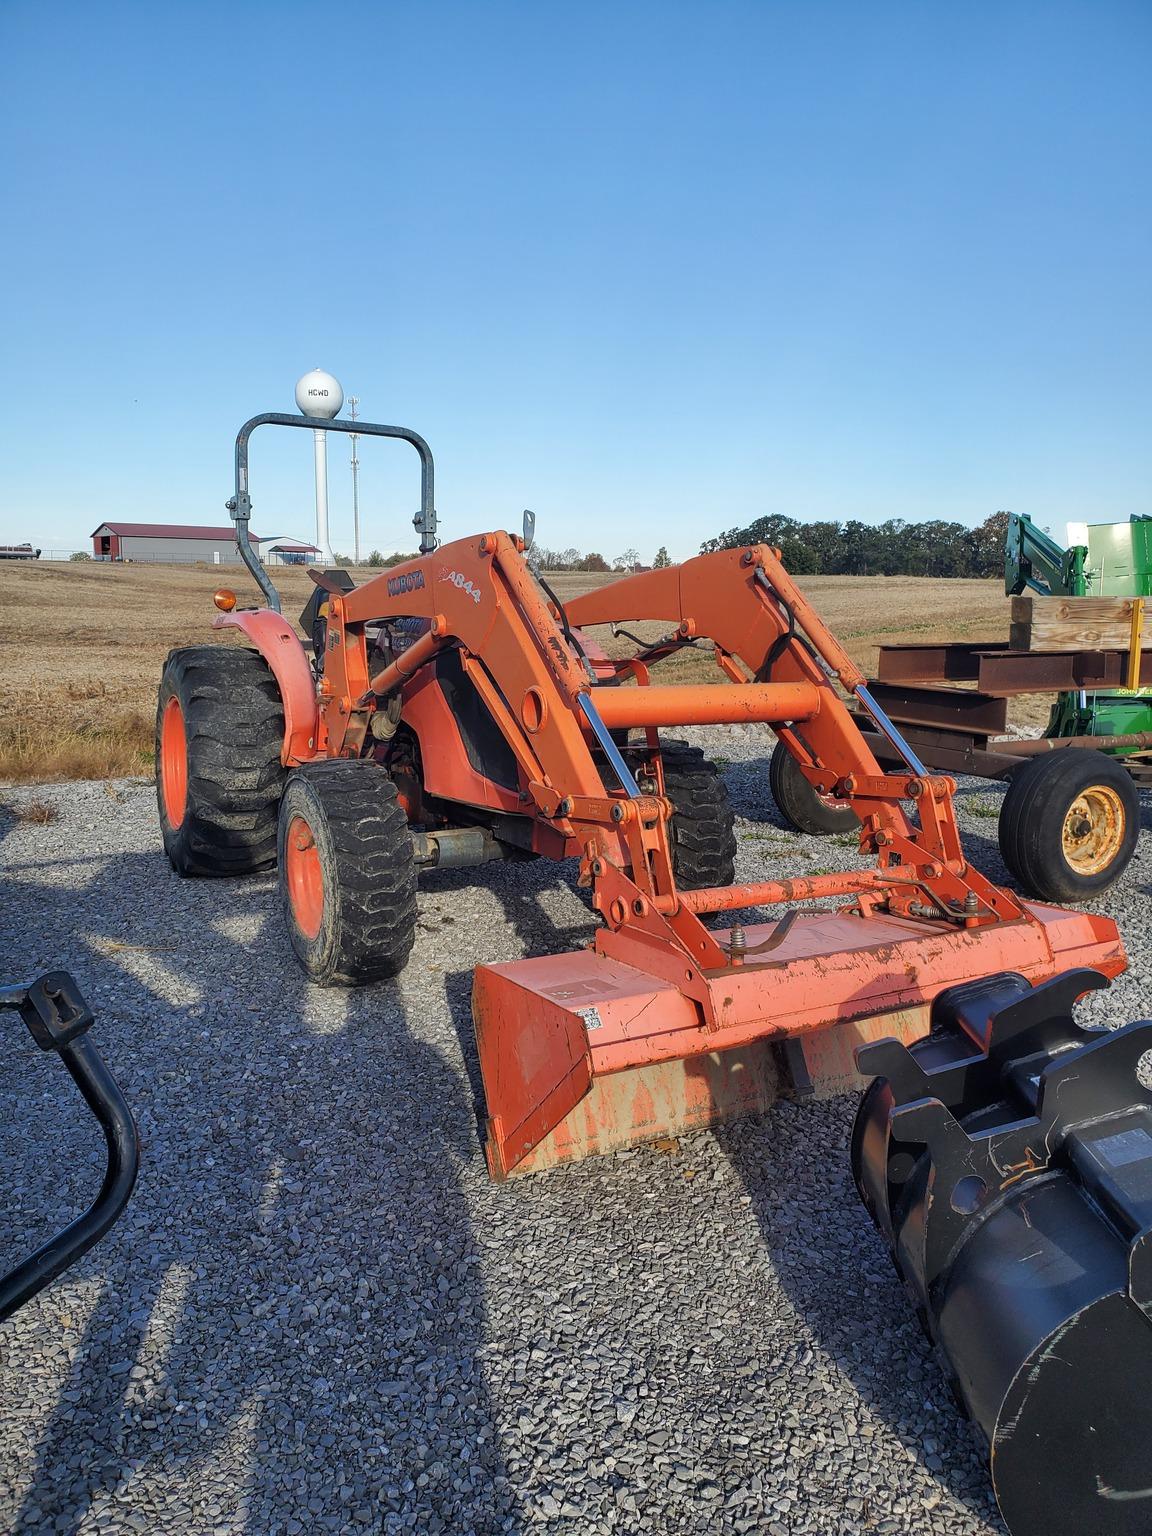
(1007, 1159)
(58, 1019)
(240, 503)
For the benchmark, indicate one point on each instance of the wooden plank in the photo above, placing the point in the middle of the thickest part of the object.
(1073, 624)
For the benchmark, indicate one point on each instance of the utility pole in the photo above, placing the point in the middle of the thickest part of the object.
(353, 402)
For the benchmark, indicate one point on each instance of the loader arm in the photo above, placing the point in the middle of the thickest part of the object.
(1033, 560)
(748, 605)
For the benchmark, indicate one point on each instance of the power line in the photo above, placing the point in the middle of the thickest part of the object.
(353, 402)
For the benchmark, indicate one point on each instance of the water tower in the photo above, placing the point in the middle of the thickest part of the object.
(318, 394)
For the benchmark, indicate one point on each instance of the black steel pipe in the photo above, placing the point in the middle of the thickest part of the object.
(58, 1020)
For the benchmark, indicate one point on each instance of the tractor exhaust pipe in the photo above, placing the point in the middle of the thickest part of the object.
(1007, 1160)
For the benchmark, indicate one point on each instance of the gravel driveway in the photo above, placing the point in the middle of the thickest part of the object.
(317, 1313)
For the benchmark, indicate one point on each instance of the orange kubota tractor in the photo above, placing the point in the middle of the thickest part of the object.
(450, 711)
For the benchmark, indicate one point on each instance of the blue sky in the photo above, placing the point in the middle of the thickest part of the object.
(649, 269)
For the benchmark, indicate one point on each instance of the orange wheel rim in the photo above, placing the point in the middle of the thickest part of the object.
(303, 877)
(174, 762)
(1094, 829)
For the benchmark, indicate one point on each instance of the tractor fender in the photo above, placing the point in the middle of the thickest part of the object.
(282, 649)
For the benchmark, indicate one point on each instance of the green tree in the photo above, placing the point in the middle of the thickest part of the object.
(661, 562)
(772, 529)
(375, 558)
(798, 558)
(594, 562)
(986, 545)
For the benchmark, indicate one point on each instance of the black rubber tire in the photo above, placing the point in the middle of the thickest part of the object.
(234, 729)
(801, 806)
(366, 867)
(1040, 795)
(703, 825)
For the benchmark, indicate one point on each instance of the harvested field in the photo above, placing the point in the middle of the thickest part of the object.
(81, 647)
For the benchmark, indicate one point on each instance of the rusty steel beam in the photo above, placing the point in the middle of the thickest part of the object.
(979, 714)
(1000, 671)
(955, 662)
(945, 752)
(1012, 672)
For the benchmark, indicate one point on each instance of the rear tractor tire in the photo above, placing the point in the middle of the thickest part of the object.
(703, 825)
(1069, 823)
(219, 732)
(347, 872)
(801, 804)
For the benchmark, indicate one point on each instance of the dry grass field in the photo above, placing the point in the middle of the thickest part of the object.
(81, 647)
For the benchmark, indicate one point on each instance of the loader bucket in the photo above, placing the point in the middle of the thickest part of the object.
(582, 1053)
(1007, 1160)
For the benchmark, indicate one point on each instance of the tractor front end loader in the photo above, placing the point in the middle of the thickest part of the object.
(450, 711)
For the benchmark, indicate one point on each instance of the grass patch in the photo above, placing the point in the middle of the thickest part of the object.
(847, 840)
(983, 807)
(37, 813)
(39, 752)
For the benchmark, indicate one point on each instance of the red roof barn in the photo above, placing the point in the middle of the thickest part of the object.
(170, 543)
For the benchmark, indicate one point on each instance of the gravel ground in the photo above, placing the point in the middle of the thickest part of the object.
(318, 1315)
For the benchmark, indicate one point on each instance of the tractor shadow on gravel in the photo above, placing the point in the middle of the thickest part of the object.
(288, 1323)
(520, 889)
(847, 1298)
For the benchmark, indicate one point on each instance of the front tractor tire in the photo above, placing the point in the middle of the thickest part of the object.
(703, 825)
(347, 872)
(1069, 823)
(219, 732)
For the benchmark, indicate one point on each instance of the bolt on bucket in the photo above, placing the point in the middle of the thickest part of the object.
(1007, 1159)
(583, 1053)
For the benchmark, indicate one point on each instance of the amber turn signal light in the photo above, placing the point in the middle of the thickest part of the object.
(224, 599)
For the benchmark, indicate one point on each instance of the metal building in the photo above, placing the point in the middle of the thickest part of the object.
(170, 543)
(287, 552)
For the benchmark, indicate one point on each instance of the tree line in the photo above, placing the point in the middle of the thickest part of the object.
(573, 560)
(892, 548)
(896, 547)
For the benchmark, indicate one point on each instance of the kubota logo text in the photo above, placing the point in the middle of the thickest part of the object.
(411, 581)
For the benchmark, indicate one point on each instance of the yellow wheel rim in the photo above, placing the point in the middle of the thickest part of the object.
(1094, 828)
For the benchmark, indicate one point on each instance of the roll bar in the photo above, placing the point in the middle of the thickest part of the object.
(240, 503)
